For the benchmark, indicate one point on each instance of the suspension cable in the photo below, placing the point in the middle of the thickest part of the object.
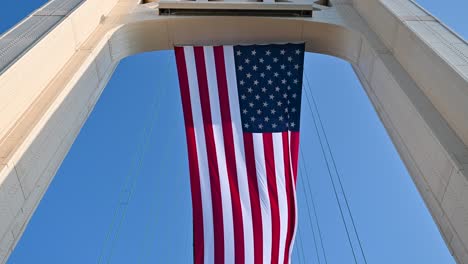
(147, 238)
(113, 232)
(301, 244)
(144, 247)
(313, 206)
(308, 210)
(297, 256)
(330, 175)
(137, 174)
(335, 169)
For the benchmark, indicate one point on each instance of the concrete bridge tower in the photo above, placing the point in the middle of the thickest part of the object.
(56, 62)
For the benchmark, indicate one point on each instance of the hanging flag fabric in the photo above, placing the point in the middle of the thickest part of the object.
(241, 108)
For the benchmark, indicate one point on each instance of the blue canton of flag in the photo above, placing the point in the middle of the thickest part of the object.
(269, 80)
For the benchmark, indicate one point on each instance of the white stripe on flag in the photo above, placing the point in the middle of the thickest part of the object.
(294, 196)
(240, 155)
(205, 187)
(221, 156)
(281, 189)
(263, 194)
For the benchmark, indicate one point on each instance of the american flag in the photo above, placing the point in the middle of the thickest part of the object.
(241, 108)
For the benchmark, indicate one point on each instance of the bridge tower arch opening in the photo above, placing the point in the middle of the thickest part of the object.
(413, 69)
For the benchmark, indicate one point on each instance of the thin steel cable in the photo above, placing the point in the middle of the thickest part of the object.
(336, 170)
(151, 222)
(331, 178)
(187, 239)
(297, 256)
(137, 173)
(116, 211)
(308, 211)
(147, 240)
(114, 220)
(313, 206)
(298, 251)
(301, 245)
(129, 186)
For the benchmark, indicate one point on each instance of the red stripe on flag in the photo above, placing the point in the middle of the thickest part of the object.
(230, 154)
(294, 146)
(198, 242)
(273, 194)
(288, 180)
(254, 198)
(212, 158)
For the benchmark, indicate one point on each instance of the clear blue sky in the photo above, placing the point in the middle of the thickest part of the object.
(71, 222)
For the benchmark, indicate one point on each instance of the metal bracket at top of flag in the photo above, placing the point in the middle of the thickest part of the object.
(278, 8)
